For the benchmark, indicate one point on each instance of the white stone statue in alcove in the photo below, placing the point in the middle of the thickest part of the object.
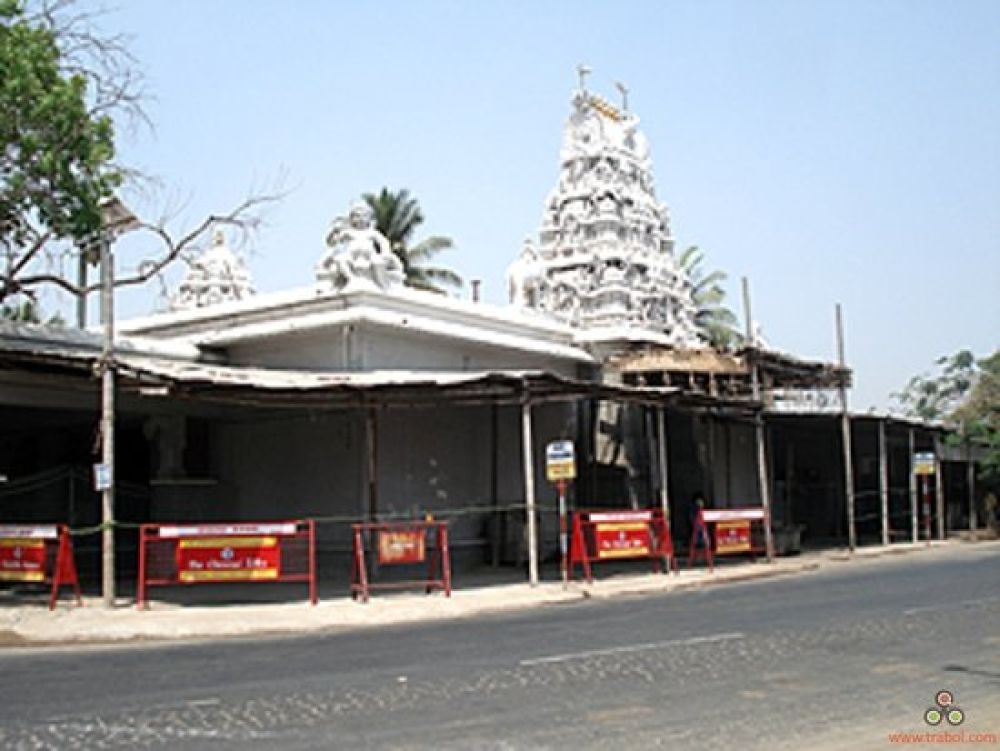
(525, 278)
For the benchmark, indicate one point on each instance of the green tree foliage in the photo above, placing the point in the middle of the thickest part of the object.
(712, 315)
(936, 396)
(979, 415)
(56, 161)
(63, 86)
(964, 394)
(397, 216)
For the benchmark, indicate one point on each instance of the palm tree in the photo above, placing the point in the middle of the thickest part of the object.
(397, 216)
(713, 317)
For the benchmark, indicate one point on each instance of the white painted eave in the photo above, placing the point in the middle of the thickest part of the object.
(304, 310)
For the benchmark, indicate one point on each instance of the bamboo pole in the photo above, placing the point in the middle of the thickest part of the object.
(762, 473)
(970, 469)
(883, 480)
(661, 436)
(845, 433)
(529, 492)
(939, 493)
(914, 517)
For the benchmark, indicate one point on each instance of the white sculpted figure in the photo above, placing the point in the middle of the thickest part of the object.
(525, 278)
(216, 276)
(358, 253)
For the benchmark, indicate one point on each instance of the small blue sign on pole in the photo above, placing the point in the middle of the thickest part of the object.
(102, 477)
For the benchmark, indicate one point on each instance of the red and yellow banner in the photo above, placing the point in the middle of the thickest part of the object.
(22, 559)
(228, 559)
(732, 537)
(402, 546)
(622, 539)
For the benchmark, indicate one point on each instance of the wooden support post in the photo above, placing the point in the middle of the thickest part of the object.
(883, 480)
(529, 492)
(914, 520)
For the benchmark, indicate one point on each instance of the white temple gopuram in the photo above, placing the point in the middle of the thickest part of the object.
(604, 259)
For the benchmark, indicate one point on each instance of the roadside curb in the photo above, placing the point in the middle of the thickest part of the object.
(31, 627)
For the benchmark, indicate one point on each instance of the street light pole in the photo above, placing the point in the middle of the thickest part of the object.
(117, 218)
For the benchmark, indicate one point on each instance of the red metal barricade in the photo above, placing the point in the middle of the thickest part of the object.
(182, 554)
(600, 536)
(729, 531)
(39, 553)
(399, 543)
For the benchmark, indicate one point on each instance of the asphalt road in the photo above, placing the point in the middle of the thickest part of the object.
(839, 658)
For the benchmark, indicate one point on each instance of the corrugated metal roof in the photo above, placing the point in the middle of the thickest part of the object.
(78, 354)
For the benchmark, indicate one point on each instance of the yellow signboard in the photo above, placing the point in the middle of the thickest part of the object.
(923, 463)
(560, 461)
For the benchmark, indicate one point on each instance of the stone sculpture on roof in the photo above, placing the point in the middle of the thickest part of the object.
(605, 250)
(358, 255)
(217, 276)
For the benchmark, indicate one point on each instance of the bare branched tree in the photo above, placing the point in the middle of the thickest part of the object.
(57, 157)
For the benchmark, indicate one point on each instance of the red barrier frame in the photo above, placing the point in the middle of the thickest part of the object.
(182, 554)
(55, 564)
(587, 537)
(438, 563)
(703, 533)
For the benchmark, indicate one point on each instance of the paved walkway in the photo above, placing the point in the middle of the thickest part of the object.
(33, 624)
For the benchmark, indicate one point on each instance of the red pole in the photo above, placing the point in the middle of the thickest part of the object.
(141, 585)
(313, 597)
(563, 547)
(445, 557)
(359, 563)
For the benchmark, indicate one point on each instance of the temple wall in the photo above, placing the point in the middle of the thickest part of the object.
(383, 348)
(446, 460)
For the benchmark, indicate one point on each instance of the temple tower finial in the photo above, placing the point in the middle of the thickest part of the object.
(623, 90)
(583, 71)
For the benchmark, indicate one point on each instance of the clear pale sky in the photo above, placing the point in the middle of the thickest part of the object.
(829, 151)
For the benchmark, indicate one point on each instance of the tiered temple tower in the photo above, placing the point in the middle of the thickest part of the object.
(604, 259)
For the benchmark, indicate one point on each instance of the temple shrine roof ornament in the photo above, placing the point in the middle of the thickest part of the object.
(217, 276)
(605, 252)
(358, 255)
